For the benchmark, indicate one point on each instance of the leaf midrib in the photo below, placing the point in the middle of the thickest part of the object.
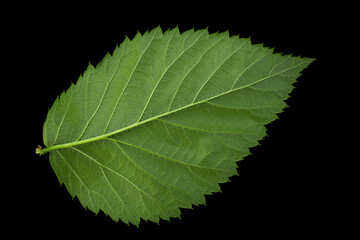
(100, 137)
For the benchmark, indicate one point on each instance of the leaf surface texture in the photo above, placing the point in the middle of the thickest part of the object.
(164, 119)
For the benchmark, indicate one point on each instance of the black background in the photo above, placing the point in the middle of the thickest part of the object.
(280, 188)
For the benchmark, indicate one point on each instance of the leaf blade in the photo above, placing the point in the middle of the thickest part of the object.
(164, 120)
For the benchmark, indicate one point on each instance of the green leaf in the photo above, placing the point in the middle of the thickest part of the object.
(164, 119)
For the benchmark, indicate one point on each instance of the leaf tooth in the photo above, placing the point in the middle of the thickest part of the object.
(225, 34)
(168, 30)
(138, 35)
